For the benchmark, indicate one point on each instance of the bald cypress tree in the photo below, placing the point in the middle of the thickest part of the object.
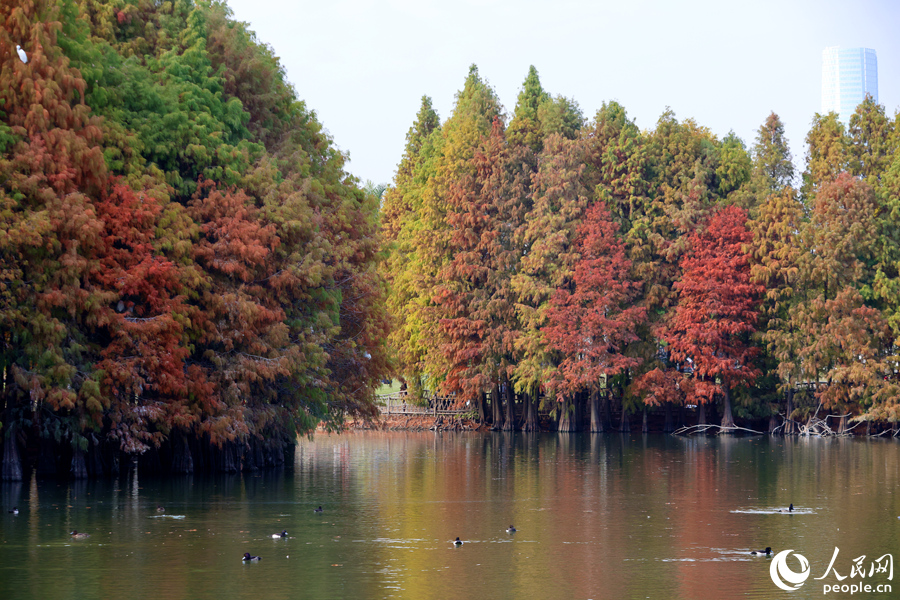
(426, 238)
(525, 127)
(399, 218)
(773, 168)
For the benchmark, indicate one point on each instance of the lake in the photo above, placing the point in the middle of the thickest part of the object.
(602, 516)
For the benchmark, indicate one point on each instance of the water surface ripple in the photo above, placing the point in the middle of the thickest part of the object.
(597, 516)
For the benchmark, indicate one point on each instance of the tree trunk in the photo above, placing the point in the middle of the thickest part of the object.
(79, 468)
(788, 411)
(596, 413)
(94, 458)
(229, 459)
(701, 413)
(624, 421)
(479, 406)
(531, 420)
(509, 399)
(669, 427)
(183, 461)
(12, 465)
(568, 416)
(496, 412)
(727, 418)
(606, 409)
(842, 424)
(254, 456)
(644, 427)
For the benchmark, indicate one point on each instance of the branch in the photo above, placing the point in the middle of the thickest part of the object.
(692, 429)
(820, 427)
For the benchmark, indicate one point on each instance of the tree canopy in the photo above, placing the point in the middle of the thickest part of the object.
(182, 254)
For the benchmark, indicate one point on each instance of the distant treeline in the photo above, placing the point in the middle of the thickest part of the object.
(586, 264)
(187, 273)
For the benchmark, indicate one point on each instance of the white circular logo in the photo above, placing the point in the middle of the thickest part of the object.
(781, 572)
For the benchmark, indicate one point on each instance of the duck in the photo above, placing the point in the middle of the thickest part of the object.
(283, 534)
(788, 509)
(511, 529)
(458, 542)
(766, 552)
(318, 510)
(15, 510)
(248, 558)
(160, 508)
(79, 536)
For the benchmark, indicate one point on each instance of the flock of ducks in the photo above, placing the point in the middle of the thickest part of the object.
(76, 535)
(457, 542)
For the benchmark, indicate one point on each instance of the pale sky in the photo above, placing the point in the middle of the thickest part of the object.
(363, 66)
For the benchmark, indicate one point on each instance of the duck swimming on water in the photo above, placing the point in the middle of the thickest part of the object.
(79, 536)
(248, 558)
(765, 552)
(458, 542)
(511, 529)
(15, 510)
(283, 534)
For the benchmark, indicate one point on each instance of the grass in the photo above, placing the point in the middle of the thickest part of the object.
(392, 388)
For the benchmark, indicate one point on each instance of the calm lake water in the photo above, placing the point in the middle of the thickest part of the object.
(598, 516)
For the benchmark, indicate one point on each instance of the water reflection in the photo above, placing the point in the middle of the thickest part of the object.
(598, 516)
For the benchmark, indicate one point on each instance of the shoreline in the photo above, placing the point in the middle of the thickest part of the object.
(416, 423)
(459, 423)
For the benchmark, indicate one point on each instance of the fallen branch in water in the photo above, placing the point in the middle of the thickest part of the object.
(692, 429)
(893, 431)
(820, 427)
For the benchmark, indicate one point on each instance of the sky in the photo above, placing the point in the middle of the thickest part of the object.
(363, 66)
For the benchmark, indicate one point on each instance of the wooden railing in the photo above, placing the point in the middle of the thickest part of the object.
(401, 403)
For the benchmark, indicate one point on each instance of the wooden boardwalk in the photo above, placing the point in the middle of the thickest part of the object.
(401, 403)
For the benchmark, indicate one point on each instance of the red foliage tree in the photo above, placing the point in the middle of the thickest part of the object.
(473, 298)
(144, 377)
(717, 309)
(242, 343)
(591, 323)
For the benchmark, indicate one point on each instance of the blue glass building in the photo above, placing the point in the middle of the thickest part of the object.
(848, 74)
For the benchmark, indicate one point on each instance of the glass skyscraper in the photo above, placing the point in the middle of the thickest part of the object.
(848, 74)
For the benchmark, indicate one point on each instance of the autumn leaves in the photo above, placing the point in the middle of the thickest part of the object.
(572, 260)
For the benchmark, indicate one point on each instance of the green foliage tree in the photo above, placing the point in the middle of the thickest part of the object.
(773, 167)
(871, 144)
(399, 222)
(776, 253)
(825, 331)
(827, 154)
(430, 239)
